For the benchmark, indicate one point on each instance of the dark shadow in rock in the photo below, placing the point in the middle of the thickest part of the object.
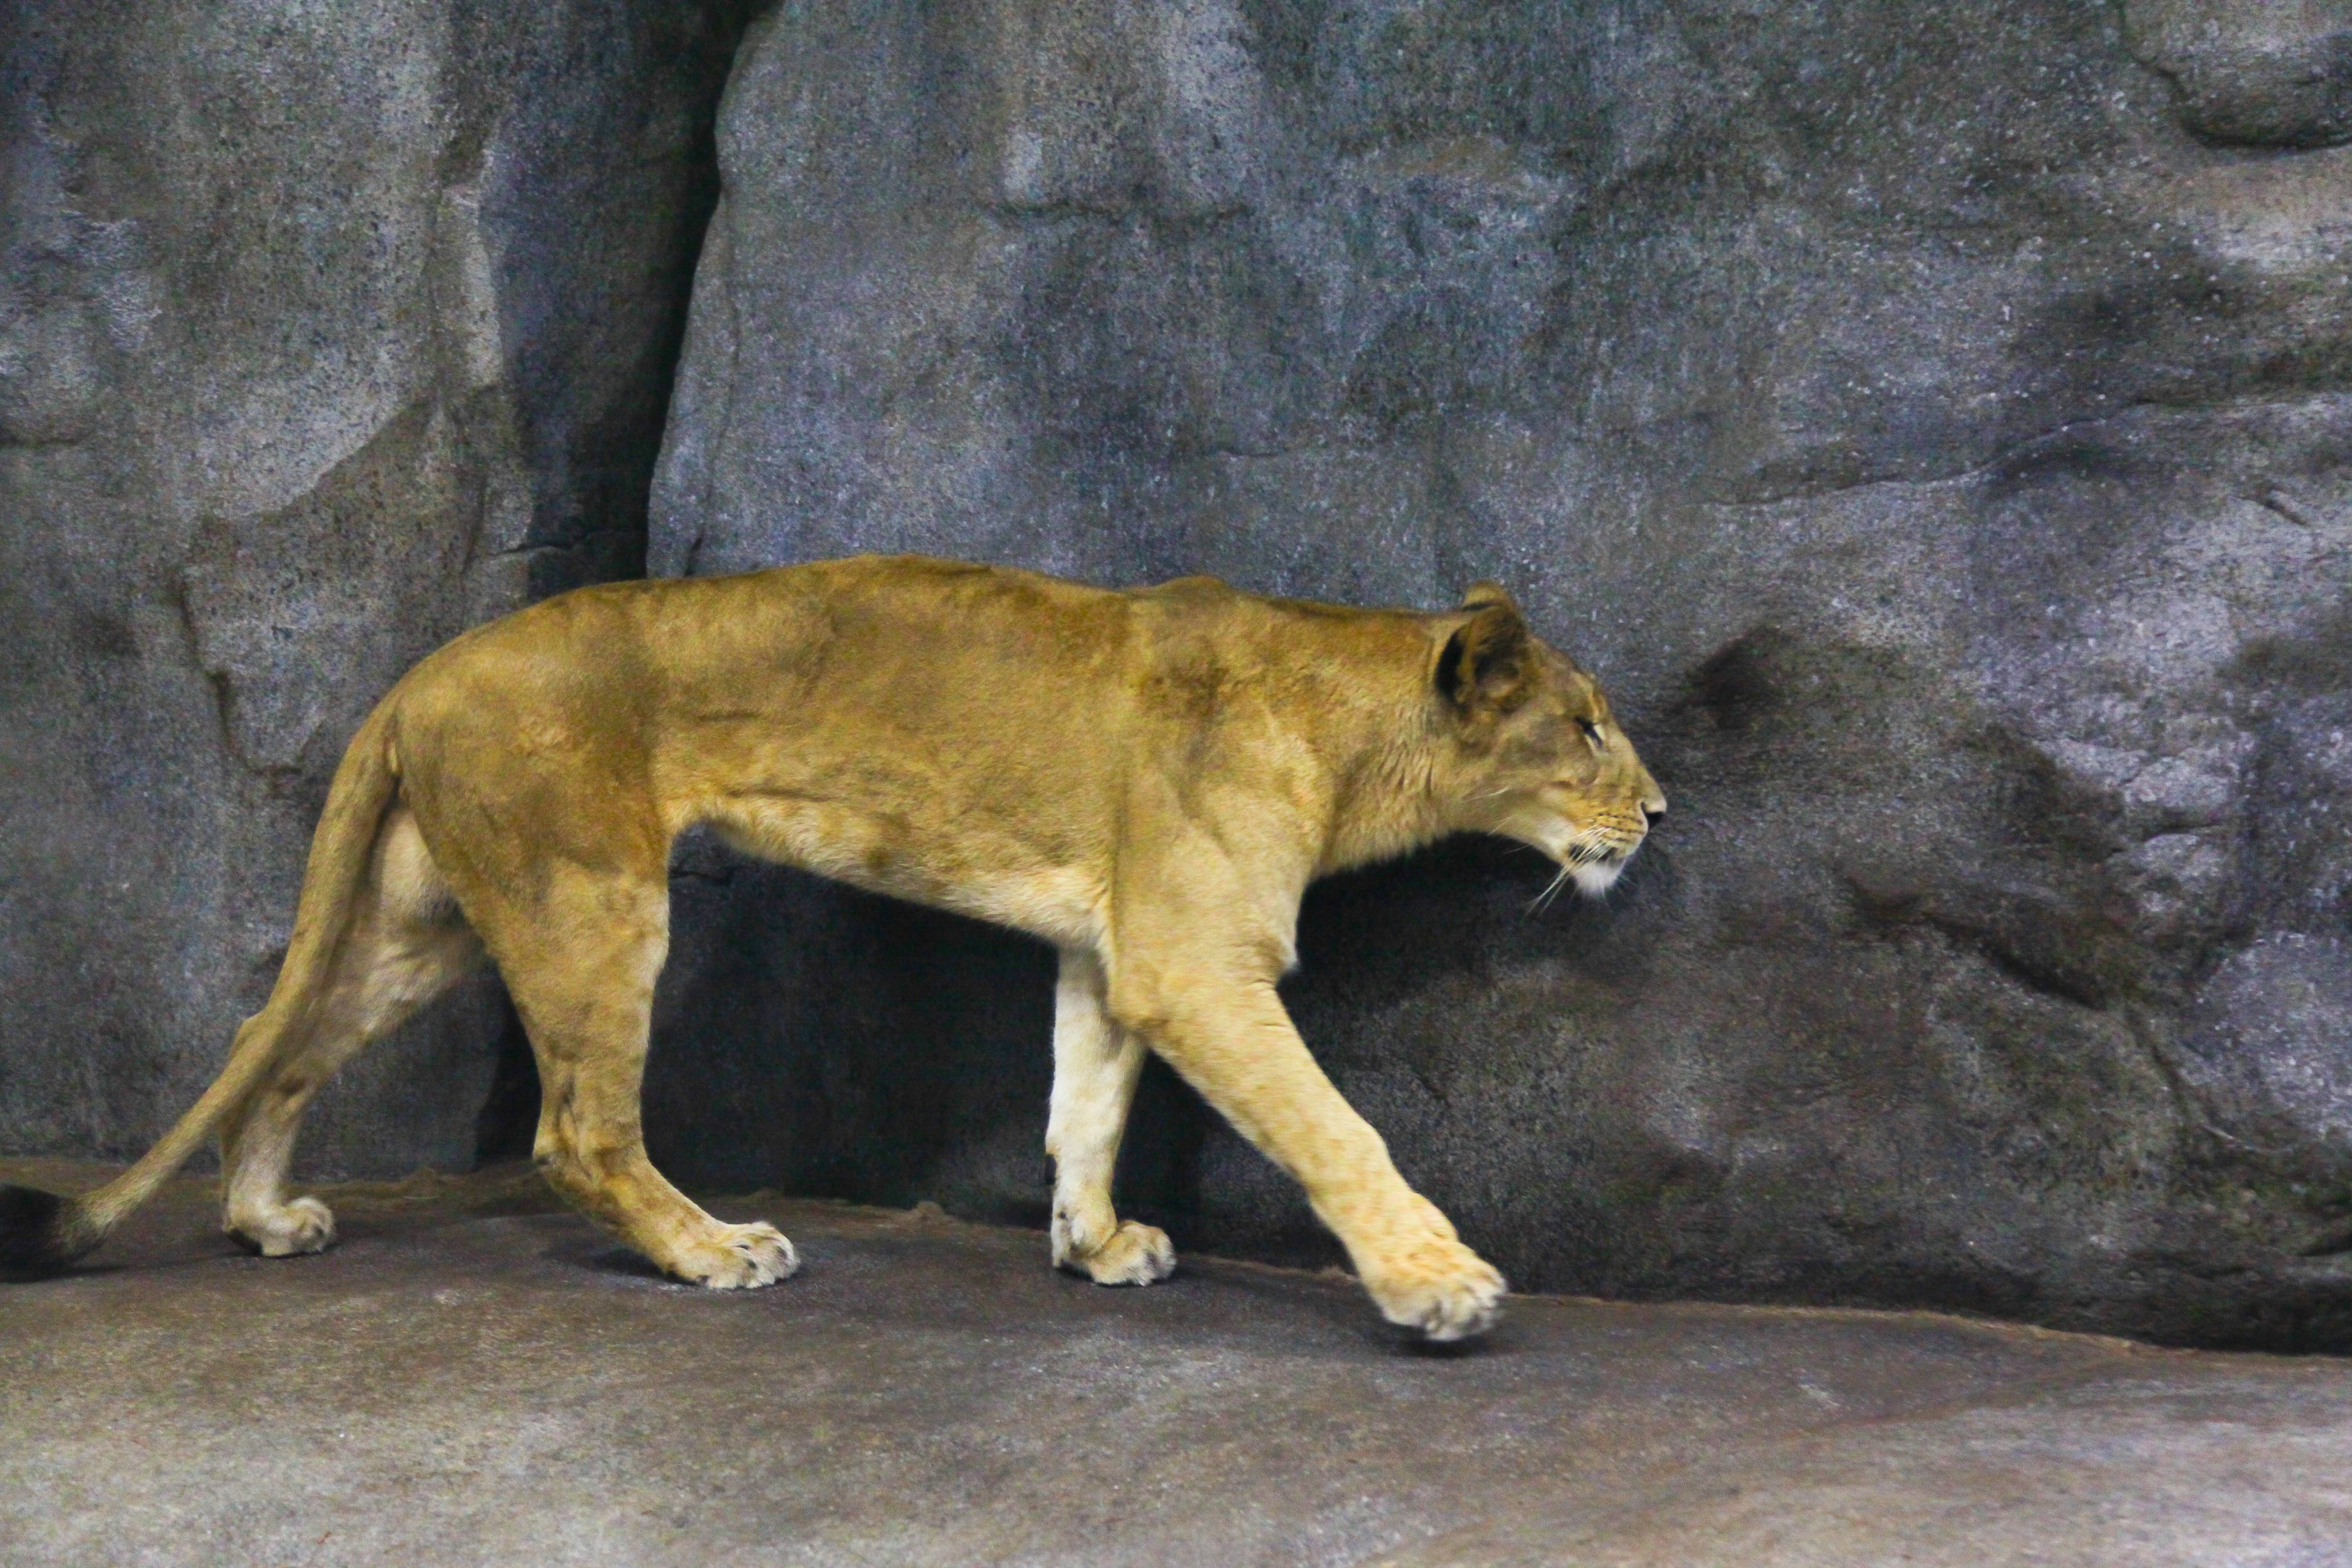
(832, 1042)
(1158, 1177)
(509, 1121)
(1370, 939)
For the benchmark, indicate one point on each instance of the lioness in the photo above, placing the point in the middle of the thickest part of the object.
(1147, 779)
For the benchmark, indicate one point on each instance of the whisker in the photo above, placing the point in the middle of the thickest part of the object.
(1542, 901)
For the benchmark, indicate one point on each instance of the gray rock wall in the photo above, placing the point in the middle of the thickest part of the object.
(325, 331)
(1933, 421)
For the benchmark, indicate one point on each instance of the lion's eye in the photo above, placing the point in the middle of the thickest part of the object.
(1592, 732)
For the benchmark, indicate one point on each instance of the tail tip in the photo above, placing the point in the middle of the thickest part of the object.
(33, 1234)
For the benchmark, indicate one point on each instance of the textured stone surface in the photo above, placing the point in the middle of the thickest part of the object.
(325, 331)
(1932, 421)
(472, 1379)
(2257, 72)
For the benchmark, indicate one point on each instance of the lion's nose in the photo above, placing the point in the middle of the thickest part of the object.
(1651, 814)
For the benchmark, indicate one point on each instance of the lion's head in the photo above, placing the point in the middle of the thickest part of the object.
(1533, 752)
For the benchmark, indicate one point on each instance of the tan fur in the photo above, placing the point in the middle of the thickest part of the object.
(1148, 779)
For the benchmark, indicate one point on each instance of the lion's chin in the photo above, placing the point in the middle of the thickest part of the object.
(1595, 877)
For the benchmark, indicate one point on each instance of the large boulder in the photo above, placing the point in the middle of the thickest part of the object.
(325, 331)
(1928, 420)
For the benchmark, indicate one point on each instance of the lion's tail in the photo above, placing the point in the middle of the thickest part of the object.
(41, 1233)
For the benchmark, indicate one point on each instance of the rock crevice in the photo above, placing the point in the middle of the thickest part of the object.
(325, 331)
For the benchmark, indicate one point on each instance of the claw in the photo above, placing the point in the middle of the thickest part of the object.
(740, 1258)
(1135, 1254)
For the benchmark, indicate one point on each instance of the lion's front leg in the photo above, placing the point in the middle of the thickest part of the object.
(1232, 1039)
(1096, 1064)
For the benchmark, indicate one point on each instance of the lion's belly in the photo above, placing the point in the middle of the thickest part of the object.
(983, 873)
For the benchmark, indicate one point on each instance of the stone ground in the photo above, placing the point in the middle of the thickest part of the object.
(476, 1377)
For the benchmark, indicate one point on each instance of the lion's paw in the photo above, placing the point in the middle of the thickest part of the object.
(1135, 1254)
(290, 1230)
(737, 1257)
(1440, 1288)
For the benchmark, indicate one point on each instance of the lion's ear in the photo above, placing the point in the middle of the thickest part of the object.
(1485, 664)
(1478, 595)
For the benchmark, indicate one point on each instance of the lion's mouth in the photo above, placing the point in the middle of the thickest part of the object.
(1594, 863)
(1600, 846)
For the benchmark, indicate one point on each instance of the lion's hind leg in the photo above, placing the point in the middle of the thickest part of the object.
(581, 964)
(407, 944)
(1096, 1064)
